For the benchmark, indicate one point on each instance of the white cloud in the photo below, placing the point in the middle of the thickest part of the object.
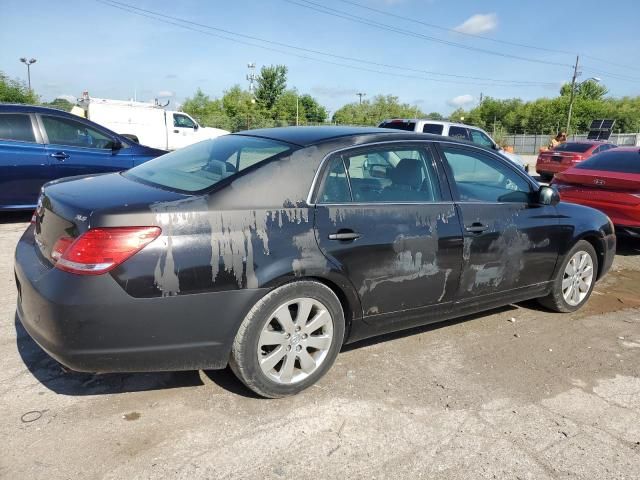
(479, 23)
(68, 98)
(165, 93)
(461, 100)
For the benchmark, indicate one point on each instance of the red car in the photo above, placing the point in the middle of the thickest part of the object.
(610, 182)
(566, 155)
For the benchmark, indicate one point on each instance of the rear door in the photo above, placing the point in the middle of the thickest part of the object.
(24, 167)
(384, 218)
(79, 148)
(510, 240)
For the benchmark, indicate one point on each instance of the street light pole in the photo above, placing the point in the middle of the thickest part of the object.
(28, 63)
(572, 94)
(360, 94)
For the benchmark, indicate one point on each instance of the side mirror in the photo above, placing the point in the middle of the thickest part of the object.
(116, 145)
(548, 195)
(195, 127)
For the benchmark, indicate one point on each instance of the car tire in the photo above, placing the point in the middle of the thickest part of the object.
(570, 291)
(289, 339)
(546, 177)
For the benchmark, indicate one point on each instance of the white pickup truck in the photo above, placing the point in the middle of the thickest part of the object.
(147, 123)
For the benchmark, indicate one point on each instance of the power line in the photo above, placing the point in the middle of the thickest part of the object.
(189, 25)
(482, 37)
(383, 26)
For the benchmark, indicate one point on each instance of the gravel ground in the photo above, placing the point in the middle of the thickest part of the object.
(515, 393)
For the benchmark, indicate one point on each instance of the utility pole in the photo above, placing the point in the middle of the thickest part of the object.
(481, 98)
(251, 76)
(297, 108)
(28, 63)
(573, 91)
(360, 94)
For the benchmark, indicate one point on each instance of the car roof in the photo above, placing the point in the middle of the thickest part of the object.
(21, 108)
(306, 136)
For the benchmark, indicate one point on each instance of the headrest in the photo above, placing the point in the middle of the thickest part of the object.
(407, 172)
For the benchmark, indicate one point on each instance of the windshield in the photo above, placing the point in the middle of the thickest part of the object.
(202, 165)
(613, 161)
(573, 147)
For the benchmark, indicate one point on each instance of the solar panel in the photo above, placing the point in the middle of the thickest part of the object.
(601, 129)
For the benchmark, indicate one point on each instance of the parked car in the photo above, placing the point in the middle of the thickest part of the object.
(146, 122)
(269, 249)
(450, 129)
(566, 155)
(610, 182)
(39, 144)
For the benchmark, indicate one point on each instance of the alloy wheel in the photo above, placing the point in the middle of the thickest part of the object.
(295, 340)
(577, 278)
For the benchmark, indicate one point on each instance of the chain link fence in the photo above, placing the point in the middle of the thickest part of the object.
(530, 144)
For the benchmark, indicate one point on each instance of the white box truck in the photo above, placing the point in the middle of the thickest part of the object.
(145, 122)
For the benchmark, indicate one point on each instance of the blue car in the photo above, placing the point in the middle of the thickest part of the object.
(39, 144)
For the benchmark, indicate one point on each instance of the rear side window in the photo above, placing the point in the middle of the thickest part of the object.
(613, 160)
(459, 132)
(17, 127)
(399, 125)
(573, 147)
(382, 175)
(433, 128)
(202, 165)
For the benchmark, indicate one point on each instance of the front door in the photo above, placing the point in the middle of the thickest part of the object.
(76, 148)
(510, 240)
(183, 132)
(24, 167)
(383, 217)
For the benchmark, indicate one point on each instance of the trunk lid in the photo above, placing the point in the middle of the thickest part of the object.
(627, 182)
(69, 207)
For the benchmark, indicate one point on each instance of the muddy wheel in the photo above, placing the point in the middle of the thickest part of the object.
(575, 280)
(289, 339)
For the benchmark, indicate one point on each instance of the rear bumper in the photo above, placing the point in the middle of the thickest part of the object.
(88, 323)
(551, 167)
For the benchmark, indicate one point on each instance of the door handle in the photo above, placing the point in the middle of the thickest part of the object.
(476, 227)
(344, 236)
(60, 156)
(176, 131)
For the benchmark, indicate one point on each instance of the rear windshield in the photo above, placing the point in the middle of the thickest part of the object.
(399, 125)
(434, 128)
(613, 161)
(202, 165)
(573, 147)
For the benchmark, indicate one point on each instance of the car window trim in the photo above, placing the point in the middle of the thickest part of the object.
(34, 128)
(454, 187)
(318, 178)
(45, 136)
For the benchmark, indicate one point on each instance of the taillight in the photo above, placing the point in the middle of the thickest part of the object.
(99, 250)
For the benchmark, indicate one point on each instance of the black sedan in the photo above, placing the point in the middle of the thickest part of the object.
(270, 249)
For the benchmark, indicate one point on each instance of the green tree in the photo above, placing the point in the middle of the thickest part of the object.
(15, 91)
(271, 84)
(435, 116)
(589, 89)
(314, 112)
(372, 112)
(60, 104)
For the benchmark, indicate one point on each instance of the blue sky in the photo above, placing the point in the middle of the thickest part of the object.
(87, 45)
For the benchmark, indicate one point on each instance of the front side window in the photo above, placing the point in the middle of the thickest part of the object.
(202, 165)
(16, 127)
(459, 132)
(182, 121)
(482, 178)
(382, 175)
(480, 138)
(66, 131)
